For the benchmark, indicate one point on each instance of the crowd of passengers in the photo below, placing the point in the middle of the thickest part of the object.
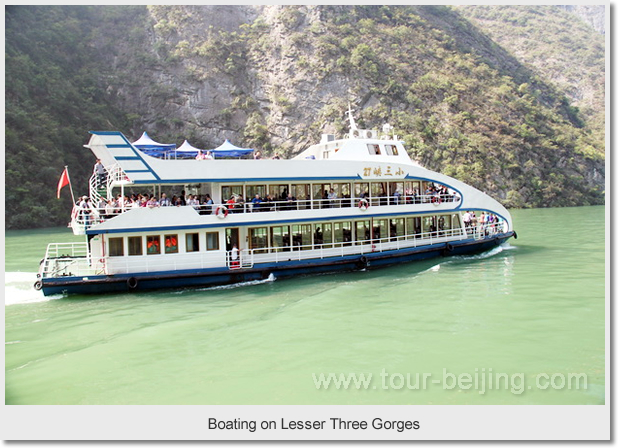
(205, 205)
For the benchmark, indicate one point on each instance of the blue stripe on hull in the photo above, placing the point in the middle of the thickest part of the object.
(215, 277)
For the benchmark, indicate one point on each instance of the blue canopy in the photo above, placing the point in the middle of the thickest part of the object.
(152, 148)
(187, 151)
(229, 150)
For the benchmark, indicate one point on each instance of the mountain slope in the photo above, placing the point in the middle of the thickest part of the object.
(276, 77)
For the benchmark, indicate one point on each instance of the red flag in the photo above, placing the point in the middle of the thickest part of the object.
(63, 182)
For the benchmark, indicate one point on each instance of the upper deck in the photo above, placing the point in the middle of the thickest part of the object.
(357, 163)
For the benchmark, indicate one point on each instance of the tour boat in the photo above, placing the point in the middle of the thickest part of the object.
(343, 204)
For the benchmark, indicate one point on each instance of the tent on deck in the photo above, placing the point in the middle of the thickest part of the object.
(227, 149)
(152, 148)
(187, 151)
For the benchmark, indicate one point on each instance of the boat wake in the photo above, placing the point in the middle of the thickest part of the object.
(18, 289)
(463, 258)
(271, 278)
(483, 255)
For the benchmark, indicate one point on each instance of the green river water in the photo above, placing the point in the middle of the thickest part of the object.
(532, 310)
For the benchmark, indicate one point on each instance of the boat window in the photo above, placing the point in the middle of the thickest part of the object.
(278, 192)
(363, 231)
(153, 244)
(258, 239)
(361, 190)
(396, 193)
(444, 222)
(116, 247)
(380, 229)
(252, 190)
(192, 242)
(135, 245)
(343, 233)
(302, 193)
(379, 193)
(397, 229)
(391, 150)
(212, 240)
(429, 224)
(320, 195)
(323, 235)
(228, 190)
(280, 238)
(171, 244)
(413, 226)
(455, 223)
(374, 150)
(301, 236)
(343, 192)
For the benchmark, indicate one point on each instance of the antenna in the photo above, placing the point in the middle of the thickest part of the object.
(351, 118)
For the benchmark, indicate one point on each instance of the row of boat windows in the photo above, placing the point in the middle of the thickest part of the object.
(390, 150)
(295, 236)
(306, 192)
(157, 244)
(347, 233)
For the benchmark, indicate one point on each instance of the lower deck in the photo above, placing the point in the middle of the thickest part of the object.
(263, 269)
(223, 254)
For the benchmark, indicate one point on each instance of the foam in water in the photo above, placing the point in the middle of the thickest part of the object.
(18, 288)
(271, 278)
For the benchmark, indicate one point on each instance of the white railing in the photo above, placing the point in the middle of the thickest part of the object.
(94, 214)
(69, 259)
(339, 249)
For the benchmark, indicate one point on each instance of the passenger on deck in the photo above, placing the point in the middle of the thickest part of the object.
(99, 170)
(152, 202)
(268, 203)
(397, 197)
(110, 209)
(230, 203)
(290, 202)
(325, 201)
(208, 203)
(467, 218)
(256, 203)
(193, 202)
(240, 204)
(234, 257)
(165, 201)
(332, 196)
(318, 237)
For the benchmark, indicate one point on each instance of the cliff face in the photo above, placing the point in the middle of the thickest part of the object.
(594, 15)
(276, 77)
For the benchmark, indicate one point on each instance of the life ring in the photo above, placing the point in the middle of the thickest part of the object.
(436, 200)
(38, 285)
(132, 282)
(363, 204)
(221, 212)
(363, 260)
(449, 247)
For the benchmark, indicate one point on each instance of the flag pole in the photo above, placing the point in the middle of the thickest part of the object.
(70, 185)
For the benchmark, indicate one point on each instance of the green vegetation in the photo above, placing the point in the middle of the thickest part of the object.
(512, 115)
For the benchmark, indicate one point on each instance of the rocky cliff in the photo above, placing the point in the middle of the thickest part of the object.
(276, 77)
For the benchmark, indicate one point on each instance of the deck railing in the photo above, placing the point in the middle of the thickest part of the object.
(95, 214)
